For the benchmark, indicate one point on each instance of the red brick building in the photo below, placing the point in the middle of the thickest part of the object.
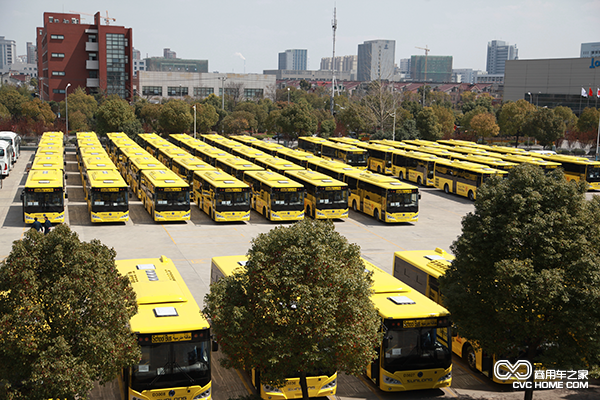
(95, 57)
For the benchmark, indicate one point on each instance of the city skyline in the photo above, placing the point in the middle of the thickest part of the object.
(235, 36)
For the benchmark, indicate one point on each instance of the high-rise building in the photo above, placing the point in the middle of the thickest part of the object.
(31, 53)
(167, 53)
(8, 53)
(95, 57)
(342, 63)
(293, 59)
(590, 50)
(498, 52)
(376, 60)
(431, 68)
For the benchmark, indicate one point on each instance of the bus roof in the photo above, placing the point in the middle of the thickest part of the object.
(165, 304)
(384, 181)
(40, 178)
(279, 164)
(97, 162)
(240, 163)
(164, 178)
(220, 179)
(273, 179)
(229, 264)
(148, 162)
(433, 262)
(396, 300)
(314, 177)
(193, 163)
(106, 178)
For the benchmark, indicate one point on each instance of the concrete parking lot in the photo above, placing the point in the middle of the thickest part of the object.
(192, 244)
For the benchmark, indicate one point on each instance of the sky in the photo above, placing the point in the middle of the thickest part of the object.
(246, 36)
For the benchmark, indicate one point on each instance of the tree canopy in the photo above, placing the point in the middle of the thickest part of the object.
(527, 270)
(301, 304)
(64, 317)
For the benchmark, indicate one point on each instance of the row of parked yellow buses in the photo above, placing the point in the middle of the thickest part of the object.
(44, 193)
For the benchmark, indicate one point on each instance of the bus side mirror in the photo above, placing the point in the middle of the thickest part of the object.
(21, 196)
(215, 345)
(385, 342)
(66, 176)
(66, 195)
(419, 196)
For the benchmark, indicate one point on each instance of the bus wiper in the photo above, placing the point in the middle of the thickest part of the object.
(185, 373)
(158, 375)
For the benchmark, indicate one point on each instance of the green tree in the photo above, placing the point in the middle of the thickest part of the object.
(206, 117)
(514, 116)
(567, 116)
(38, 111)
(259, 113)
(114, 114)
(175, 117)
(588, 120)
(80, 101)
(445, 118)
(527, 270)
(235, 124)
(484, 125)
(428, 125)
(64, 317)
(12, 99)
(297, 120)
(545, 126)
(4, 113)
(301, 303)
(149, 114)
(327, 128)
(352, 117)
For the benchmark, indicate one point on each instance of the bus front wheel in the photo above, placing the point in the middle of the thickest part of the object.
(376, 214)
(419, 181)
(401, 176)
(471, 195)
(446, 188)
(468, 355)
(354, 207)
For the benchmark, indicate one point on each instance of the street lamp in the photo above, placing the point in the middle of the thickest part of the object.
(223, 79)
(194, 121)
(530, 101)
(67, 110)
(288, 96)
(394, 126)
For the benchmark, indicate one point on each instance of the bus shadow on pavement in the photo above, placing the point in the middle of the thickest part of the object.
(14, 217)
(138, 214)
(79, 215)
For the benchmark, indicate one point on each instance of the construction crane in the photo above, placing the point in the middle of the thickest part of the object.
(106, 19)
(426, 54)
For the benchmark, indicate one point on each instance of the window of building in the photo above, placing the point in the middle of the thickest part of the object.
(93, 56)
(58, 73)
(152, 90)
(177, 91)
(116, 72)
(203, 91)
(59, 37)
(58, 55)
(253, 93)
(233, 92)
(92, 39)
(93, 73)
(58, 91)
(51, 19)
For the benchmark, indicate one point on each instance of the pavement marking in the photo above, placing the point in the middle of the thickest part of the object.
(449, 391)
(165, 228)
(370, 388)
(243, 381)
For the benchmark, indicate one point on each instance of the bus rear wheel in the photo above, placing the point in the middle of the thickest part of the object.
(471, 195)
(401, 176)
(354, 207)
(468, 355)
(419, 181)
(446, 188)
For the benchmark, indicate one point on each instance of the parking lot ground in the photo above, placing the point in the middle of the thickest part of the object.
(193, 243)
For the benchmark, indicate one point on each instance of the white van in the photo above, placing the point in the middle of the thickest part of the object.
(5, 159)
(15, 140)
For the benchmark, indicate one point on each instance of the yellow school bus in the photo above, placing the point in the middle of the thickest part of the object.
(236, 166)
(221, 196)
(172, 332)
(165, 196)
(44, 196)
(462, 177)
(275, 196)
(135, 166)
(107, 196)
(324, 197)
(277, 164)
(185, 167)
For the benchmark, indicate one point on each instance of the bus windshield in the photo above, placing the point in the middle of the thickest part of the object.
(356, 158)
(232, 201)
(36, 202)
(416, 348)
(173, 201)
(169, 365)
(284, 201)
(109, 201)
(402, 202)
(332, 199)
(593, 174)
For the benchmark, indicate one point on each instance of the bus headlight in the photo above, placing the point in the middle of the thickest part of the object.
(391, 381)
(269, 388)
(331, 384)
(445, 377)
(320, 214)
(203, 395)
